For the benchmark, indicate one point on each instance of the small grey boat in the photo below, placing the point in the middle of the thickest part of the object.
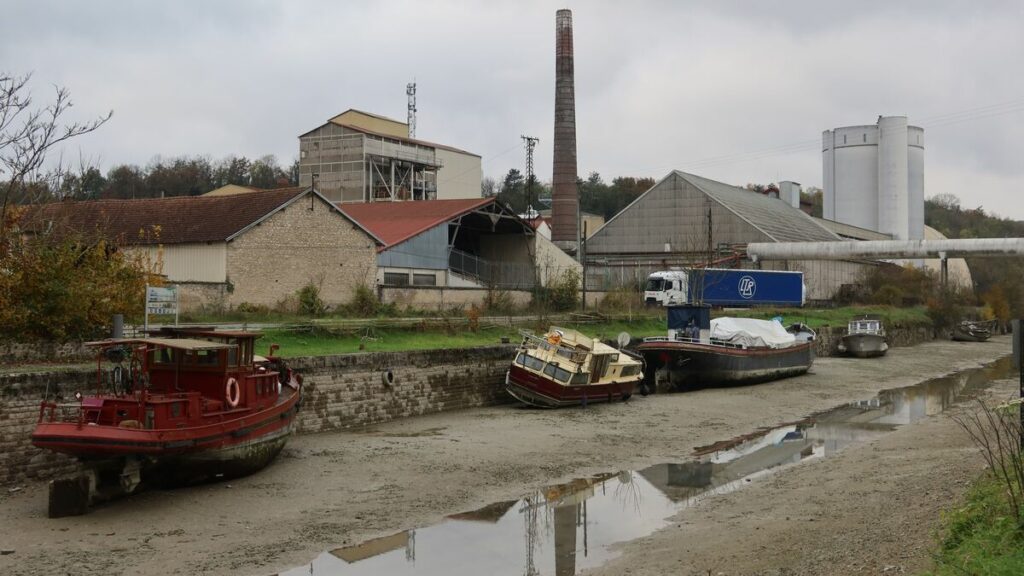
(974, 330)
(865, 338)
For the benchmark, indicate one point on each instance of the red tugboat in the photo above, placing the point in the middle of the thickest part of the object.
(170, 411)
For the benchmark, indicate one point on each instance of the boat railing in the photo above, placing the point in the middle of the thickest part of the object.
(688, 340)
(531, 340)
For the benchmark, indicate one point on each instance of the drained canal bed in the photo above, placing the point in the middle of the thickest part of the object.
(565, 528)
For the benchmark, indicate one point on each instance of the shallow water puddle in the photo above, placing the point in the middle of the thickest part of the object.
(562, 529)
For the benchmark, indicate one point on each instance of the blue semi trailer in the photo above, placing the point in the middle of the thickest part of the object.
(725, 287)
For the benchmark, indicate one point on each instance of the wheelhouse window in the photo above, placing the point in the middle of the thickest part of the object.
(557, 372)
(631, 370)
(530, 362)
(580, 379)
(162, 356)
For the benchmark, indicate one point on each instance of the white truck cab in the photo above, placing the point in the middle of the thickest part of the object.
(668, 288)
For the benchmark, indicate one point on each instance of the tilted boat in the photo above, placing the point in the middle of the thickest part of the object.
(973, 330)
(564, 368)
(865, 338)
(699, 351)
(169, 411)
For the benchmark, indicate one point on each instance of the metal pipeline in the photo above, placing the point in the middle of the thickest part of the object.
(882, 249)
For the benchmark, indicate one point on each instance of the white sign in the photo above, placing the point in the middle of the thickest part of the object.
(162, 300)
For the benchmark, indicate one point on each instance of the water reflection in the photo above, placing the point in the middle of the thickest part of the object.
(565, 528)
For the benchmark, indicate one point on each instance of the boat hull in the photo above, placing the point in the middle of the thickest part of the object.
(532, 389)
(229, 448)
(691, 365)
(971, 335)
(864, 345)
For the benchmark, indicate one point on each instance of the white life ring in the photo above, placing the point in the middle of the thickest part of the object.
(232, 392)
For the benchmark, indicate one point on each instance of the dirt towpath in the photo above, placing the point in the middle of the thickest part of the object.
(868, 508)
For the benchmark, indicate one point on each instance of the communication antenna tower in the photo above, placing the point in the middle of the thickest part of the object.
(410, 91)
(531, 143)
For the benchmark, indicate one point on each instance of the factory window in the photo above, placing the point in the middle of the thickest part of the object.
(396, 279)
(424, 280)
(865, 137)
(844, 138)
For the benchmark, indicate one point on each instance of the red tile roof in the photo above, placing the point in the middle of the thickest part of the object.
(396, 222)
(182, 219)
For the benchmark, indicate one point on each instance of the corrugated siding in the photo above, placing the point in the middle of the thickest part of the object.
(192, 262)
(823, 277)
(459, 176)
(673, 212)
(426, 250)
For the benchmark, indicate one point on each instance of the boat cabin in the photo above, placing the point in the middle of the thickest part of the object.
(573, 359)
(865, 325)
(160, 383)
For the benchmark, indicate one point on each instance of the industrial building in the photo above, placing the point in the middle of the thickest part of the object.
(455, 249)
(686, 219)
(874, 177)
(361, 157)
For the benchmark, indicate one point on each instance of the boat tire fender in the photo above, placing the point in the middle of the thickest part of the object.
(388, 377)
(232, 393)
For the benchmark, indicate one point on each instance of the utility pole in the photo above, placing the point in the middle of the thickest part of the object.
(531, 143)
(410, 91)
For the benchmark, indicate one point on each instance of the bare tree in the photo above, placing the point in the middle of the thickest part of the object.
(28, 133)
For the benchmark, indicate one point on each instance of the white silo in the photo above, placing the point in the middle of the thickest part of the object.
(851, 176)
(915, 154)
(874, 177)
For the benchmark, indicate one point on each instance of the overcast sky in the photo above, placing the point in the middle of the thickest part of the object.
(736, 91)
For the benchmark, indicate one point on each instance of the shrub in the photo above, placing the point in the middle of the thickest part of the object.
(364, 302)
(498, 301)
(561, 294)
(68, 288)
(253, 309)
(622, 299)
(310, 303)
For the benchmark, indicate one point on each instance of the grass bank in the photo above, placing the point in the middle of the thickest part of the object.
(838, 317)
(316, 341)
(981, 536)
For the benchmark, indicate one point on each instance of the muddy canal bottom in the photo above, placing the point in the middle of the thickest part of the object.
(565, 528)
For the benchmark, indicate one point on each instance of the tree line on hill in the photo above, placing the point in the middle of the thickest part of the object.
(596, 196)
(162, 177)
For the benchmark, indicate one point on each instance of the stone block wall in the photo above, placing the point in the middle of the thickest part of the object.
(340, 392)
(307, 241)
(350, 391)
(20, 396)
(827, 342)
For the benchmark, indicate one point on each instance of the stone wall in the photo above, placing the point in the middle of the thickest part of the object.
(443, 298)
(340, 392)
(307, 241)
(27, 352)
(350, 391)
(828, 339)
(20, 396)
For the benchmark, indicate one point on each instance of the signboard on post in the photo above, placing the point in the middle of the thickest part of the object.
(161, 300)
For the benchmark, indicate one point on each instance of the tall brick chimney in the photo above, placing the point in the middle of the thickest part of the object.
(564, 196)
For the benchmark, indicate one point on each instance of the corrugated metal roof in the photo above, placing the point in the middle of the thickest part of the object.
(396, 222)
(176, 220)
(850, 231)
(777, 219)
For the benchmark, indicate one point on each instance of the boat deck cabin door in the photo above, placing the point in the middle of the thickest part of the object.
(598, 366)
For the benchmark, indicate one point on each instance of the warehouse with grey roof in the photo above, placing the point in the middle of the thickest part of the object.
(686, 220)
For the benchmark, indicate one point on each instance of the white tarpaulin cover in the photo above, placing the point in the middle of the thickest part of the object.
(751, 333)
